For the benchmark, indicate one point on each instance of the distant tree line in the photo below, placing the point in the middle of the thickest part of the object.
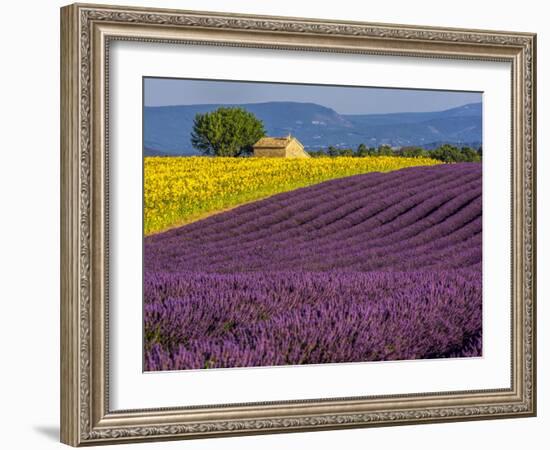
(446, 153)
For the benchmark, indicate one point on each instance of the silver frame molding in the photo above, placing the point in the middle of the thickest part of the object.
(86, 32)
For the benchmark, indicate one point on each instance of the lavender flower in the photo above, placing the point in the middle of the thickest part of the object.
(365, 268)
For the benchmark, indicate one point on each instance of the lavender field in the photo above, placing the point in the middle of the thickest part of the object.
(381, 266)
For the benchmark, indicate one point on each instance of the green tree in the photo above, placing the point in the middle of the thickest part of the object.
(385, 150)
(362, 150)
(226, 132)
(346, 152)
(414, 152)
(448, 153)
(470, 155)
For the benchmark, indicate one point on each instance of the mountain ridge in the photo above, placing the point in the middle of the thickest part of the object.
(167, 128)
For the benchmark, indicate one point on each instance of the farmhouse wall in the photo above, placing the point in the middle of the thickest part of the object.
(295, 150)
(280, 148)
(270, 152)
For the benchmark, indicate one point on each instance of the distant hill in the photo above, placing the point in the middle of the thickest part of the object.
(167, 129)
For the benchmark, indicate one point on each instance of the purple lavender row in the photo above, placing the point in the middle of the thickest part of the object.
(365, 268)
(284, 209)
(354, 225)
(402, 234)
(431, 224)
(424, 249)
(196, 321)
(181, 254)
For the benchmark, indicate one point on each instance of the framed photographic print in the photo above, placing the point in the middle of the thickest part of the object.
(278, 224)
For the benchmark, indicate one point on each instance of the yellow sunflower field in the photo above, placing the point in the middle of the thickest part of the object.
(179, 190)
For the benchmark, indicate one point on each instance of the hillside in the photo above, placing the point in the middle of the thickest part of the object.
(167, 128)
(370, 267)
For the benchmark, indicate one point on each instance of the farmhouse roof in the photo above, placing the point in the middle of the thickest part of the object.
(275, 142)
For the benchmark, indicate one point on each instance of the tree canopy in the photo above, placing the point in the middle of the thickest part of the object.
(226, 132)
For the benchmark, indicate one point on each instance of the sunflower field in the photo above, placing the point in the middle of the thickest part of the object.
(180, 190)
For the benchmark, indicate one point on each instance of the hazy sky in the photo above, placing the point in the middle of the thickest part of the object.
(344, 100)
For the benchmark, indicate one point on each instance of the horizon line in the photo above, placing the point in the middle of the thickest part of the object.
(310, 103)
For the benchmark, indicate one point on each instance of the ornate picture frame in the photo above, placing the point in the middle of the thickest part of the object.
(87, 31)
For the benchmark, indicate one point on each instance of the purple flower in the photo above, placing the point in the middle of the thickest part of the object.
(365, 268)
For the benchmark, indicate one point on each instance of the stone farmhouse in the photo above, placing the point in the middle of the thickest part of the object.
(280, 147)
